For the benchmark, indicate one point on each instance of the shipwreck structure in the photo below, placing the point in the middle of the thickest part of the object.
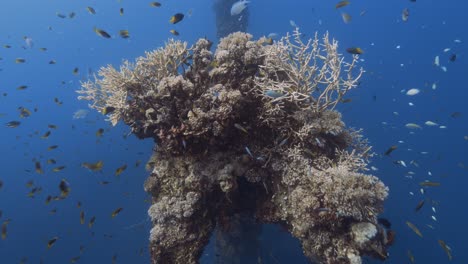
(248, 129)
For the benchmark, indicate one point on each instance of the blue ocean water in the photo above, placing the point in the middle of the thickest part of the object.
(397, 56)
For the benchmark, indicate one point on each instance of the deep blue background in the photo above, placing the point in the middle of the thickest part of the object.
(432, 27)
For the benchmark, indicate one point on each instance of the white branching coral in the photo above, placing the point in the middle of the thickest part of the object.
(308, 74)
(112, 88)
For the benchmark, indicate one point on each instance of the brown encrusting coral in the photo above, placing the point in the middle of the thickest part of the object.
(248, 129)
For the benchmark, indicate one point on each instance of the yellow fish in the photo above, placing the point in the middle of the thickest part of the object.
(176, 18)
(342, 4)
(93, 166)
(120, 170)
(51, 242)
(445, 248)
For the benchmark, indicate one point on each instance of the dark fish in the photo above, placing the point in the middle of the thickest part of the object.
(342, 4)
(38, 168)
(64, 187)
(22, 87)
(121, 11)
(52, 126)
(91, 221)
(13, 124)
(107, 110)
(429, 184)
(51, 161)
(102, 33)
(124, 33)
(120, 170)
(61, 15)
(91, 10)
(75, 70)
(46, 135)
(52, 147)
(355, 50)
(453, 57)
(100, 132)
(174, 32)
(176, 18)
(52, 62)
(390, 150)
(384, 222)
(1, 185)
(456, 114)
(445, 248)
(419, 205)
(82, 217)
(155, 4)
(72, 15)
(116, 212)
(74, 259)
(51, 242)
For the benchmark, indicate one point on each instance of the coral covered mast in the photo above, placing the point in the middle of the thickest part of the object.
(248, 129)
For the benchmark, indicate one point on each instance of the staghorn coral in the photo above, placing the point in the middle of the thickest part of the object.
(248, 130)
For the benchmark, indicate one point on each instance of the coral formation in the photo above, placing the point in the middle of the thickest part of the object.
(250, 128)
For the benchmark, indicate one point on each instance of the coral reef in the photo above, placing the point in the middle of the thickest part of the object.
(249, 129)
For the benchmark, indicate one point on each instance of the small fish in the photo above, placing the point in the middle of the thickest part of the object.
(354, 50)
(21, 87)
(412, 91)
(155, 4)
(176, 18)
(52, 126)
(72, 15)
(64, 187)
(436, 61)
(24, 112)
(4, 230)
(445, 248)
(116, 212)
(410, 256)
(51, 161)
(430, 123)
(419, 205)
(91, 222)
(38, 168)
(456, 114)
(13, 124)
(51, 242)
(241, 128)
(74, 259)
(78, 204)
(124, 34)
(52, 62)
(249, 152)
(101, 32)
(405, 14)
(59, 168)
(413, 126)
(342, 4)
(390, 150)
(82, 217)
(61, 15)
(6, 46)
(104, 182)
(52, 147)
(20, 60)
(107, 110)
(99, 132)
(414, 228)
(121, 11)
(429, 184)
(93, 166)
(48, 199)
(120, 169)
(1, 185)
(75, 70)
(346, 17)
(46, 135)
(91, 10)
(238, 7)
(453, 57)
(174, 32)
